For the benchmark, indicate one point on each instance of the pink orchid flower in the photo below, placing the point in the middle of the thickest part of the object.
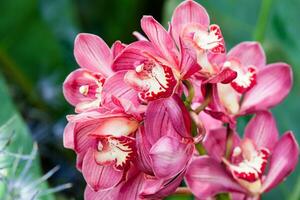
(256, 164)
(191, 24)
(104, 141)
(137, 186)
(152, 68)
(258, 86)
(82, 88)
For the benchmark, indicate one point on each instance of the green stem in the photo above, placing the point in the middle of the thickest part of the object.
(183, 191)
(223, 196)
(229, 142)
(262, 22)
(207, 100)
(191, 90)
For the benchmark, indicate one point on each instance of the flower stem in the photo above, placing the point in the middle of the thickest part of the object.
(183, 191)
(229, 141)
(207, 99)
(262, 22)
(191, 91)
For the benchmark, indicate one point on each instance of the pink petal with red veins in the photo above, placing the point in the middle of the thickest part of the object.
(188, 12)
(143, 147)
(132, 188)
(82, 86)
(69, 136)
(188, 64)
(248, 53)
(160, 188)
(167, 117)
(283, 161)
(262, 130)
(215, 143)
(115, 86)
(99, 177)
(207, 177)
(117, 48)
(161, 39)
(92, 53)
(90, 194)
(170, 156)
(273, 84)
(133, 55)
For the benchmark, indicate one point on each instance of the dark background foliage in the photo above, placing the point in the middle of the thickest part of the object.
(36, 54)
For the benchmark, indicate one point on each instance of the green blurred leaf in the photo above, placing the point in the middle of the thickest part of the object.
(21, 140)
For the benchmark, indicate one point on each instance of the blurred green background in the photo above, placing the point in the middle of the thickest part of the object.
(36, 54)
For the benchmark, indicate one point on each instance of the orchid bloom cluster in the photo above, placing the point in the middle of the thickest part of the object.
(164, 109)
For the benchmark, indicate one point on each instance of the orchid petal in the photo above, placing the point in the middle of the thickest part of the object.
(273, 84)
(188, 12)
(90, 194)
(262, 130)
(133, 55)
(143, 148)
(160, 38)
(161, 188)
(92, 53)
(69, 136)
(283, 161)
(81, 86)
(215, 143)
(225, 76)
(166, 117)
(188, 64)
(170, 156)
(99, 177)
(206, 177)
(248, 53)
(115, 86)
(117, 48)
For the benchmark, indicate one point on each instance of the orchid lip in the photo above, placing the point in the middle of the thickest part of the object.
(246, 76)
(249, 171)
(117, 151)
(211, 40)
(153, 80)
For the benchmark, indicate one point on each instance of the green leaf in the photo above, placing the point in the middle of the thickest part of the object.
(21, 139)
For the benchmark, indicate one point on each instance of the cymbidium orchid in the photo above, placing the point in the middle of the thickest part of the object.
(255, 164)
(258, 86)
(149, 110)
(83, 87)
(155, 67)
(104, 141)
(191, 24)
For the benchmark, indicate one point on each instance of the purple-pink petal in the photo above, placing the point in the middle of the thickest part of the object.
(99, 177)
(160, 38)
(206, 177)
(188, 12)
(215, 143)
(274, 82)
(170, 156)
(92, 53)
(283, 161)
(249, 54)
(262, 130)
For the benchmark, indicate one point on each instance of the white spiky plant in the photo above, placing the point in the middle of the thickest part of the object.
(15, 177)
